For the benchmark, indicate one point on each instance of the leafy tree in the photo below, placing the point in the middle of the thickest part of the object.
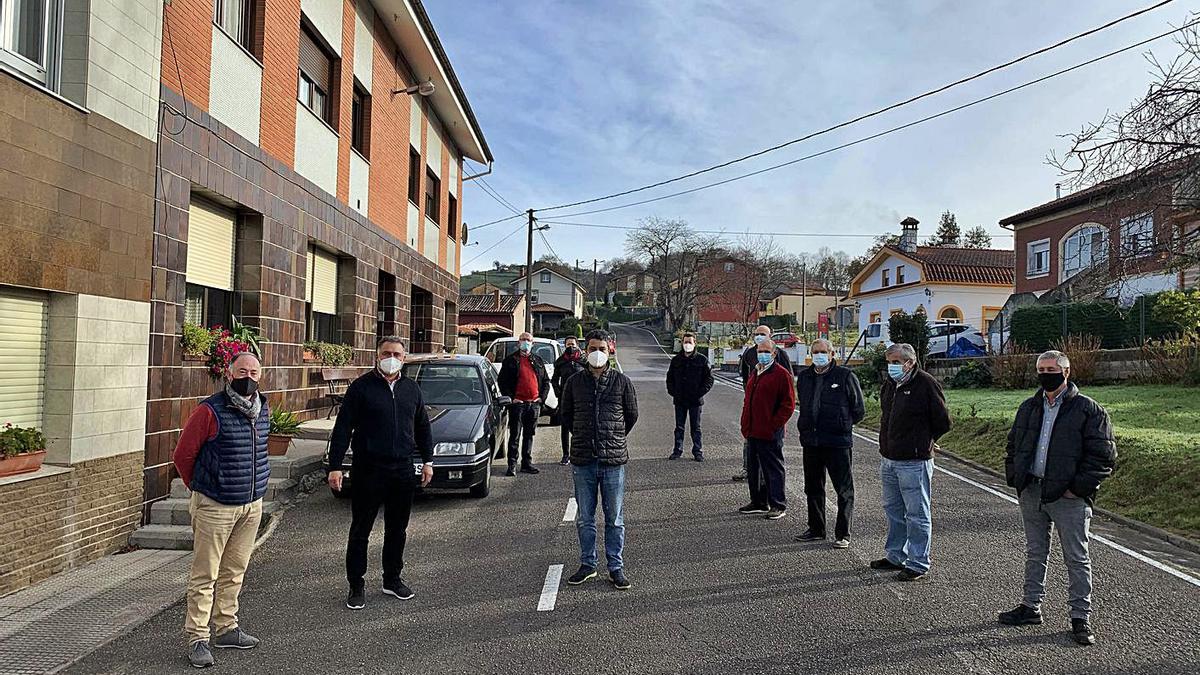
(977, 237)
(1181, 308)
(913, 329)
(948, 232)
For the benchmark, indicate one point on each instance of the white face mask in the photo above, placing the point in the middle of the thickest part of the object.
(598, 359)
(689, 347)
(391, 365)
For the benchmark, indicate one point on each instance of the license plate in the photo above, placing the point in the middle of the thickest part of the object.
(456, 475)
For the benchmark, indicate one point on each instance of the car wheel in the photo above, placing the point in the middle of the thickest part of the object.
(480, 491)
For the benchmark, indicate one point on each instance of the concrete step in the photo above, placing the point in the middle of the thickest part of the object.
(291, 466)
(281, 489)
(170, 512)
(179, 490)
(168, 537)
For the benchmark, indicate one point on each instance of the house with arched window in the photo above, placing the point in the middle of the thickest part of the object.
(957, 285)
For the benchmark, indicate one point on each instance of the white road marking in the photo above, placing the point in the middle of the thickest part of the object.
(572, 509)
(1097, 537)
(550, 589)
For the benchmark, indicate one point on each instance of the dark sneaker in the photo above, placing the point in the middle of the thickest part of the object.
(739, 476)
(909, 574)
(844, 542)
(235, 639)
(200, 655)
(357, 599)
(618, 579)
(1022, 615)
(809, 535)
(397, 589)
(885, 564)
(775, 513)
(512, 471)
(530, 469)
(1081, 632)
(675, 455)
(753, 508)
(585, 573)
(698, 457)
(565, 461)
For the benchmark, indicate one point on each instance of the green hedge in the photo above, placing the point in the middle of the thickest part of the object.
(1036, 327)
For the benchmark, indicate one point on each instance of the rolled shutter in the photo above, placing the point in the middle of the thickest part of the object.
(210, 245)
(313, 61)
(23, 319)
(323, 282)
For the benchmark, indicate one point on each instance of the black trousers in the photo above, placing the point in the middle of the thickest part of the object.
(373, 489)
(565, 433)
(522, 425)
(766, 476)
(682, 413)
(835, 461)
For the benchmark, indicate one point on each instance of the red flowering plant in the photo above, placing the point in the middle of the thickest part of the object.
(225, 346)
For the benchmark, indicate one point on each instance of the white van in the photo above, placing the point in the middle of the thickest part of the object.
(548, 350)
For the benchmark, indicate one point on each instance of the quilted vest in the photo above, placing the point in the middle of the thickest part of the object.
(232, 468)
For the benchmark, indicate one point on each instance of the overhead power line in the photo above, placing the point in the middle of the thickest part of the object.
(892, 130)
(869, 115)
(729, 232)
(497, 221)
(495, 194)
(500, 241)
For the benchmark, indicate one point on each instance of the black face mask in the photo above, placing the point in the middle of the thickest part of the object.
(1051, 381)
(244, 386)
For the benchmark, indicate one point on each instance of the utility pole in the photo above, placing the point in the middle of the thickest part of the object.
(804, 300)
(595, 285)
(529, 276)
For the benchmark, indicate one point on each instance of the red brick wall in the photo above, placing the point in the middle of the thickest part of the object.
(389, 139)
(188, 23)
(345, 100)
(281, 55)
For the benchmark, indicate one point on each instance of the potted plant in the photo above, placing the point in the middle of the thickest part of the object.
(22, 449)
(284, 425)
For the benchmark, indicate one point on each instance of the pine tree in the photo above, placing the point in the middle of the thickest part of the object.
(948, 233)
(977, 237)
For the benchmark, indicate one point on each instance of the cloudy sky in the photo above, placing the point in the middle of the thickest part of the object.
(581, 98)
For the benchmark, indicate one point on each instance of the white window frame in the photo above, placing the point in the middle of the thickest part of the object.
(545, 278)
(1031, 251)
(238, 25)
(1066, 270)
(1137, 235)
(45, 73)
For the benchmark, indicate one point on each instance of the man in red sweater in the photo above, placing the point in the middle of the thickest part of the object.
(770, 401)
(523, 378)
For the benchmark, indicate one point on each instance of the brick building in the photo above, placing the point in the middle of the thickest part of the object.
(304, 191)
(78, 109)
(728, 297)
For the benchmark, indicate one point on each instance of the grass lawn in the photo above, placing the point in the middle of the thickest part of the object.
(1157, 479)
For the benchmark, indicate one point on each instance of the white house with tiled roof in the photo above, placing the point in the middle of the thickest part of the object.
(961, 285)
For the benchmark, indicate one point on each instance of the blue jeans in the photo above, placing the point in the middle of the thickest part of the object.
(609, 482)
(906, 490)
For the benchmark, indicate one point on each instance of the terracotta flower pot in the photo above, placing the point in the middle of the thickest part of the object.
(277, 445)
(26, 463)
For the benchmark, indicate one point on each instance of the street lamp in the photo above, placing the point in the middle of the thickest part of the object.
(425, 88)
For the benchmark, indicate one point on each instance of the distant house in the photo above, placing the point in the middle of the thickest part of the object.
(494, 313)
(640, 287)
(805, 302)
(958, 285)
(727, 297)
(552, 297)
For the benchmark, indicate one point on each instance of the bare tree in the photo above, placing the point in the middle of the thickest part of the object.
(673, 254)
(762, 268)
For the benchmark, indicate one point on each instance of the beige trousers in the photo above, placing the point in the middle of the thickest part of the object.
(223, 539)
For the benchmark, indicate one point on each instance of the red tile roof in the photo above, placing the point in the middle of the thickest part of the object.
(965, 265)
(476, 304)
(477, 328)
(547, 308)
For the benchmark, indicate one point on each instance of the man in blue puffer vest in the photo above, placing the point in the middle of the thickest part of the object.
(222, 457)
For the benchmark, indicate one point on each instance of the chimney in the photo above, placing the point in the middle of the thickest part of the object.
(1058, 190)
(497, 294)
(908, 234)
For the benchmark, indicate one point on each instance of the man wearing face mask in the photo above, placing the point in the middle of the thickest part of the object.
(769, 403)
(523, 379)
(830, 402)
(749, 362)
(222, 457)
(1060, 449)
(689, 378)
(384, 420)
(600, 406)
(913, 417)
(572, 361)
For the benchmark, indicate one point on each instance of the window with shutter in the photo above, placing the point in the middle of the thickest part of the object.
(23, 318)
(322, 295)
(316, 73)
(210, 264)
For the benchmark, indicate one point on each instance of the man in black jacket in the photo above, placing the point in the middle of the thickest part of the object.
(689, 378)
(523, 379)
(383, 419)
(570, 362)
(747, 365)
(914, 416)
(829, 402)
(600, 406)
(1060, 449)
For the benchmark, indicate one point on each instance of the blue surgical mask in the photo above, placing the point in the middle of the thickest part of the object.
(526, 345)
(896, 370)
(765, 358)
(759, 339)
(820, 359)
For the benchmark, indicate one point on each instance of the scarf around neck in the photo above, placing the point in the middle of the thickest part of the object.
(250, 407)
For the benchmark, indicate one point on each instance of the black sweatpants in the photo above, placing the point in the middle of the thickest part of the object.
(766, 477)
(522, 424)
(372, 489)
(835, 461)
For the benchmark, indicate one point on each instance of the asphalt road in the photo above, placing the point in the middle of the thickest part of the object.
(713, 591)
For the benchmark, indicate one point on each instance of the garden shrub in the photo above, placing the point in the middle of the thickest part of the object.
(972, 375)
(1014, 369)
(912, 329)
(195, 340)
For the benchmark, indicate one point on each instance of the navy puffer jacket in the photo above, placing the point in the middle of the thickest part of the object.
(232, 468)
(600, 412)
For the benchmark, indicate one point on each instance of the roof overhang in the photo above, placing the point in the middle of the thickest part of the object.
(413, 32)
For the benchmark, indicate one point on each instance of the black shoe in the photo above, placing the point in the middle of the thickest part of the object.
(909, 574)
(512, 471)
(809, 535)
(530, 469)
(617, 578)
(236, 638)
(585, 573)
(397, 589)
(753, 508)
(675, 455)
(775, 513)
(739, 476)
(357, 599)
(565, 460)
(698, 457)
(1081, 632)
(1022, 615)
(885, 564)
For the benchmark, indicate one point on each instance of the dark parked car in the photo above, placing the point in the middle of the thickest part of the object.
(466, 414)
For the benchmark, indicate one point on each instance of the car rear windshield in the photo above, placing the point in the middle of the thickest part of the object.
(447, 383)
(501, 350)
